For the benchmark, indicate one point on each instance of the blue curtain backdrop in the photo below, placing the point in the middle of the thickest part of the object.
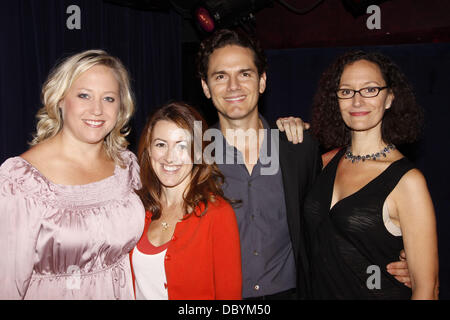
(35, 36)
(292, 80)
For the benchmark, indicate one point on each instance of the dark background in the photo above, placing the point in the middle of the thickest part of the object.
(159, 46)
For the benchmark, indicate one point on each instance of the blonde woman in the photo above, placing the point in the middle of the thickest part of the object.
(68, 212)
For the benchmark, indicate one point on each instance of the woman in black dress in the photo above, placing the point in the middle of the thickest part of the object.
(370, 201)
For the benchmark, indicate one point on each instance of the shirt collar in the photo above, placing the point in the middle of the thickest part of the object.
(234, 155)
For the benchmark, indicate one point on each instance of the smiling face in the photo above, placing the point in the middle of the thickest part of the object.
(91, 106)
(359, 113)
(169, 153)
(233, 82)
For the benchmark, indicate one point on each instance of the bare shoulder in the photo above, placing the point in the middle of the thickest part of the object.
(38, 155)
(412, 182)
(29, 154)
(411, 195)
(326, 157)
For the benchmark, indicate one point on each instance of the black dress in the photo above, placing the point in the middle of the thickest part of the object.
(349, 244)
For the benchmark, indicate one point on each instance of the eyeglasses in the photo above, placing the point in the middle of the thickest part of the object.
(368, 92)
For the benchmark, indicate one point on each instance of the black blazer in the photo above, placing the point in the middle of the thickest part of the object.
(300, 165)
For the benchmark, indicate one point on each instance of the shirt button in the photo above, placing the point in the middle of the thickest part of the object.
(255, 253)
(256, 287)
(249, 183)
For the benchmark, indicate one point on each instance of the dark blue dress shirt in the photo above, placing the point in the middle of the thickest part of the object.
(268, 264)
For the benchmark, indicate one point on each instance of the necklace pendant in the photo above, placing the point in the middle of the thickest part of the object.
(164, 225)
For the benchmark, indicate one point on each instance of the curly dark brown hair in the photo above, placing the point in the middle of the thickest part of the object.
(225, 37)
(206, 181)
(402, 122)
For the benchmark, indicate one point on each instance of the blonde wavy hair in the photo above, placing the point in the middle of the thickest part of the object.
(58, 84)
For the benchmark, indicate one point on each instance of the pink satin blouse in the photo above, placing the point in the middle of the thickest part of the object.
(67, 242)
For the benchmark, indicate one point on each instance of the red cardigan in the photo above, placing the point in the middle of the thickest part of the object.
(203, 260)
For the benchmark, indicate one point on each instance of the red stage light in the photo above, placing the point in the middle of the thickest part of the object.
(204, 19)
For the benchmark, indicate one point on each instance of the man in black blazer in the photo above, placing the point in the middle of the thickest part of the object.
(300, 164)
(232, 71)
(269, 174)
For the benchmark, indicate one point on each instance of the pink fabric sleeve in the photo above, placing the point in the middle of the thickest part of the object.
(19, 228)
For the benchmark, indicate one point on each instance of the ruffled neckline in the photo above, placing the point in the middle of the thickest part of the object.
(27, 179)
(68, 186)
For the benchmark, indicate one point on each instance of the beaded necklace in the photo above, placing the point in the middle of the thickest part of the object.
(374, 156)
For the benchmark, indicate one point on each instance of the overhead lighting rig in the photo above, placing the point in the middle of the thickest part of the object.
(213, 14)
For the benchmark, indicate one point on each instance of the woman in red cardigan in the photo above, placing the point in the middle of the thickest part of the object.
(190, 246)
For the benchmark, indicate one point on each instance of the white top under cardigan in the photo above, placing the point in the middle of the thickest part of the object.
(149, 271)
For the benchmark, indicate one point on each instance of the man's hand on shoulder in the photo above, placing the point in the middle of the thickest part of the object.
(399, 269)
(293, 127)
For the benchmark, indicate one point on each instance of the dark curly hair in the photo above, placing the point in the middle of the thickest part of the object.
(402, 122)
(225, 37)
